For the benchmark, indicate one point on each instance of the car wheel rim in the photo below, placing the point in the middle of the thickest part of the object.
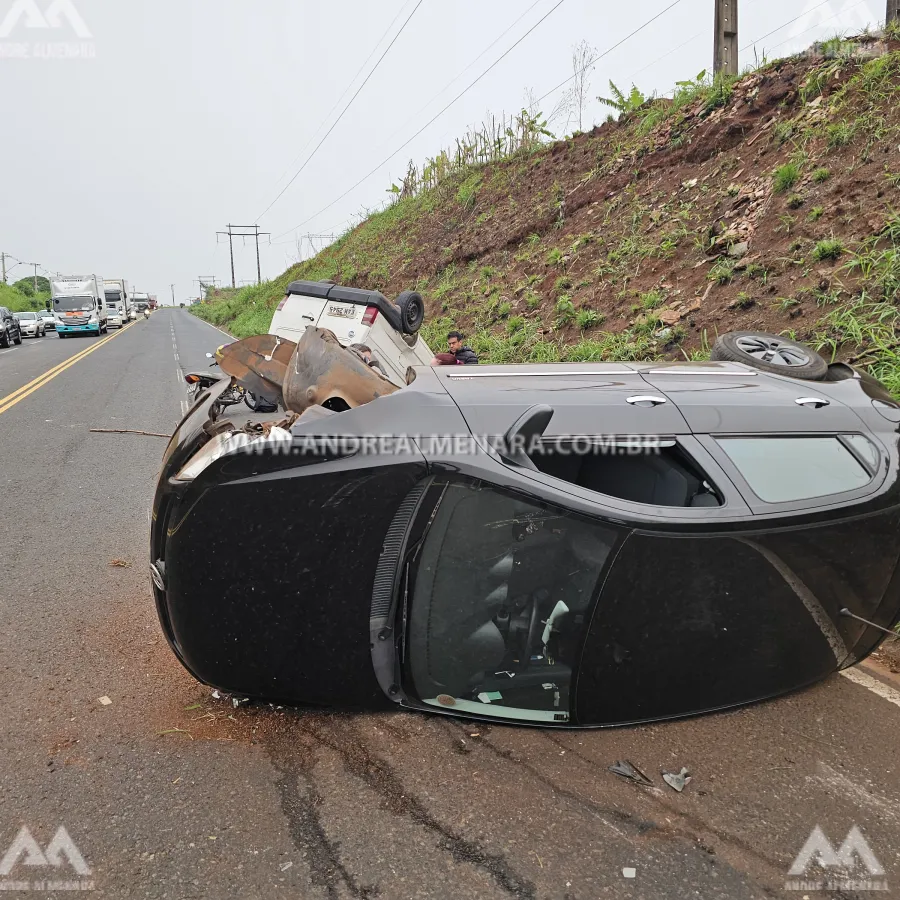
(773, 351)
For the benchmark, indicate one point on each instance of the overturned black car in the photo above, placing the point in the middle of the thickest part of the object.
(563, 545)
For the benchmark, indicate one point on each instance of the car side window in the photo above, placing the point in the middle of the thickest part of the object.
(499, 603)
(785, 469)
(654, 472)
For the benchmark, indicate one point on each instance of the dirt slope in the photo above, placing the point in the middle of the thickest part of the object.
(767, 203)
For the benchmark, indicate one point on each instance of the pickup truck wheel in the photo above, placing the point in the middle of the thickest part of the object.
(412, 311)
(770, 353)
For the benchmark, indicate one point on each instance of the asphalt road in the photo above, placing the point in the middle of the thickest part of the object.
(170, 793)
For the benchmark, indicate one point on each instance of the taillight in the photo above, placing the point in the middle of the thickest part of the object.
(281, 305)
(191, 379)
(370, 315)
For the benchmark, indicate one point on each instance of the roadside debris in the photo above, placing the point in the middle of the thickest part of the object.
(629, 770)
(629, 872)
(175, 731)
(105, 701)
(312, 372)
(678, 781)
(235, 701)
(128, 431)
(120, 563)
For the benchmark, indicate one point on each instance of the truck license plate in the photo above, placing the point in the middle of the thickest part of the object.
(344, 312)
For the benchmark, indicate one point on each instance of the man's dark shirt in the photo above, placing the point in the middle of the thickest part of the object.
(466, 356)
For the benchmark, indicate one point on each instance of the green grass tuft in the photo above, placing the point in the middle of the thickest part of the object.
(785, 177)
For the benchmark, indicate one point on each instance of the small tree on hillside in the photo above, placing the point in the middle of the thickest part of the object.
(575, 99)
(624, 103)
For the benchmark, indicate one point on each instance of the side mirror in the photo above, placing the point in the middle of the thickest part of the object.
(209, 356)
(47, 304)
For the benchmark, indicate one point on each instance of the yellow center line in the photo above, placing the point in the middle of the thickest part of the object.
(12, 399)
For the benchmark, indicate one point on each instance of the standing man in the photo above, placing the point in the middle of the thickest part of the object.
(459, 354)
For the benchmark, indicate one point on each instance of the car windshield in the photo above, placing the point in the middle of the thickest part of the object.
(45, 314)
(26, 316)
(114, 297)
(500, 602)
(72, 304)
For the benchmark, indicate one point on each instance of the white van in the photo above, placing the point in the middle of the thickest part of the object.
(358, 317)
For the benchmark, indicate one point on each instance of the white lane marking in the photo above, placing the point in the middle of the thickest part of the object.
(230, 337)
(892, 695)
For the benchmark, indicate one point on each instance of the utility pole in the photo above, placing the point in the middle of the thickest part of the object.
(725, 47)
(245, 232)
(3, 263)
(172, 286)
(36, 267)
(893, 12)
(206, 281)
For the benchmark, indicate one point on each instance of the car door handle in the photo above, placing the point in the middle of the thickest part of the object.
(311, 318)
(813, 402)
(645, 400)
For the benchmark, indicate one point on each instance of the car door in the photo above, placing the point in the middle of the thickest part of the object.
(587, 399)
(729, 397)
(611, 440)
(296, 312)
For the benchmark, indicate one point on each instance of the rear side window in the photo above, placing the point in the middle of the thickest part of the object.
(784, 469)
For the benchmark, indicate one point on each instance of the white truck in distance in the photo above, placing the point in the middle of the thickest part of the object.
(78, 304)
(118, 301)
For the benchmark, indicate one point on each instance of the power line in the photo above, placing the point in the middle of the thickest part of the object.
(463, 72)
(627, 37)
(785, 25)
(673, 50)
(433, 119)
(341, 115)
(819, 24)
(350, 84)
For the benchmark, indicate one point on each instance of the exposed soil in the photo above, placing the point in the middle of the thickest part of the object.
(672, 233)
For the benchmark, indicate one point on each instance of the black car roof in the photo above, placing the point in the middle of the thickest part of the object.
(712, 397)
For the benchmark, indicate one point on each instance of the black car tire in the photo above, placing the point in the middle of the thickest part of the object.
(412, 311)
(770, 353)
(18, 338)
(4, 339)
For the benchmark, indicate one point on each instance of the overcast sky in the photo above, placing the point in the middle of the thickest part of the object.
(180, 116)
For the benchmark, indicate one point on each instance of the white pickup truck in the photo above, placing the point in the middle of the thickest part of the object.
(358, 318)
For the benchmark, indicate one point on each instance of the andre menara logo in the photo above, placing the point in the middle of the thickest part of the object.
(51, 869)
(851, 867)
(56, 31)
